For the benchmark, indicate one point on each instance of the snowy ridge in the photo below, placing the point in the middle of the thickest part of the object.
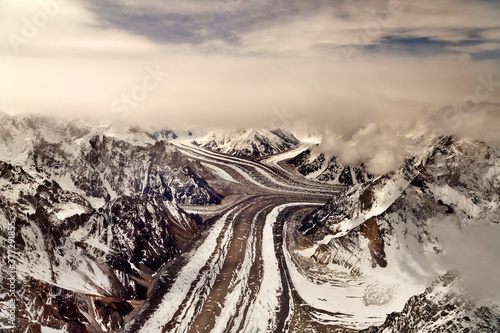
(101, 162)
(99, 231)
(82, 197)
(252, 143)
(382, 237)
(377, 198)
(445, 306)
(316, 165)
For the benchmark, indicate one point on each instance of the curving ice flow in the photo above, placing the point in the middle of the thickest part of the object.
(235, 168)
(262, 316)
(187, 276)
(236, 280)
(220, 173)
(262, 170)
(239, 290)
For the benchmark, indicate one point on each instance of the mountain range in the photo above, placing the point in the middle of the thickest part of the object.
(103, 212)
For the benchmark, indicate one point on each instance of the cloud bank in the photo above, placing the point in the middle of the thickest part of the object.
(475, 252)
(231, 63)
(380, 148)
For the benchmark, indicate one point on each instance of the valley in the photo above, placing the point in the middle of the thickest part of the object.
(136, 234)
(241, 282)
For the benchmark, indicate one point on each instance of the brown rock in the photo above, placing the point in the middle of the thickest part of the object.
(370, 230)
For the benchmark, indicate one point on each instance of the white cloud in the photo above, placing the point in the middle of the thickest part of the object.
(380, 148)
(475, 252)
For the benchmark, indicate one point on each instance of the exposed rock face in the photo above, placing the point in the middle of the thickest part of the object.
(249, 143)
(392, 220)
(108, 168)
(164, 134)
(320, 222)
(327, 169)
(141, 233)
(443, 307)
(82, 262)
(458, 177)
(96, 214)
(370, 231)
(57, 308)
(300, 159)
(102, 163)
(317, 219)
(323, 254)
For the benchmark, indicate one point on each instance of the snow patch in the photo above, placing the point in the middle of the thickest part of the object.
(220, 173)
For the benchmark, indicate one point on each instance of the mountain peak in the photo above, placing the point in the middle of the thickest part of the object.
(251, 143)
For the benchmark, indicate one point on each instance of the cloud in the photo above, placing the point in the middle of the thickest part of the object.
(480, 47)
(383, 148)
(235, 69)
(296, 27)
(474, 251)
(472, 118)
(380, 148)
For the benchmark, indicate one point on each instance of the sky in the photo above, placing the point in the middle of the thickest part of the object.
(239, 63)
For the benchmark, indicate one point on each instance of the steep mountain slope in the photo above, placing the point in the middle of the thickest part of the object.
(250, 143)
(96, 215)
(102, 162)
(164, 134)
(387, 234)
(314, 164)
(68, 250)
(445, 306)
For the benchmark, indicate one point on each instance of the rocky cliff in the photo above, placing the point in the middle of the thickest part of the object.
(96, 214)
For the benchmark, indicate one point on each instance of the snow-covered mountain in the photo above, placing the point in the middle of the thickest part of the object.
(387, 236)
(96, 214)
(445, 306)
(102, 162)
(314, 164)
(164, 135)
(167, 134)
(69, 253)
(251, 143)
